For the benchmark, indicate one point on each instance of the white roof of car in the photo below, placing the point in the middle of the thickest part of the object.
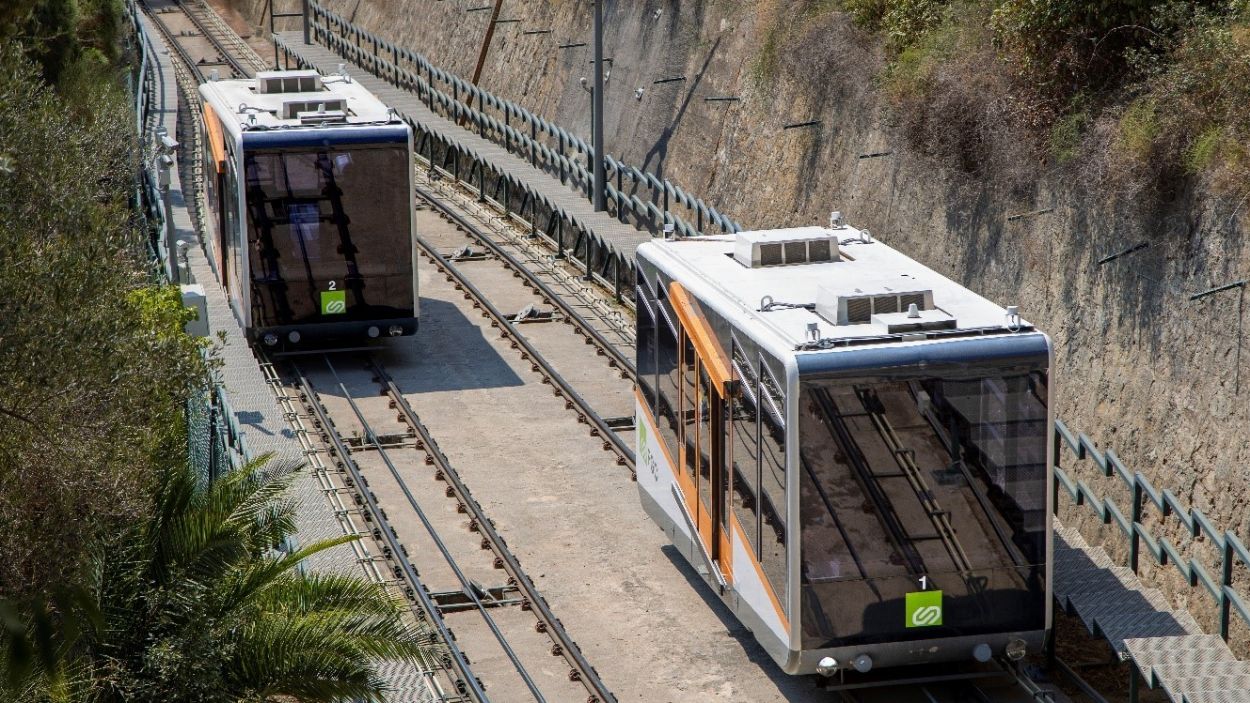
(713, 269)
(243, 105)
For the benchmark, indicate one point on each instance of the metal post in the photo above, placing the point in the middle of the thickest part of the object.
(533, 142)
(165, 165)
(596, 112)
(1226, 580)
(1134, 549)
(307, 24)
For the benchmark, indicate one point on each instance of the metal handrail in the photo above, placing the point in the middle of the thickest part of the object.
(456, 101)
(1142, 493)
(224, 430)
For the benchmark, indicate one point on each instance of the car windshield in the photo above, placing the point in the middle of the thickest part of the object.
(328, 233)
(920, 483)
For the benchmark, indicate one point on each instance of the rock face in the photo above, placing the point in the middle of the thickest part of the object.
(1140, 367)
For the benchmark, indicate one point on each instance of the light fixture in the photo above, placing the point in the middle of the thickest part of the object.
(373, 331)
(827, 666)
(1015, 650)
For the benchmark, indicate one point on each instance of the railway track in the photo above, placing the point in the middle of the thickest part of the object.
(202, 40)
(382, 468)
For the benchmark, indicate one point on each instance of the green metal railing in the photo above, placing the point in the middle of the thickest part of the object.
(215, 444)
(1142, 494)
(545, 144)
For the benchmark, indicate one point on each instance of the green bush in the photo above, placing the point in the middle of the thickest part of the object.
(93, 375)
(1066, 135)
(1139, 127)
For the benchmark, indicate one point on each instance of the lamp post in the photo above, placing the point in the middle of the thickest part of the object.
(164, 165)
(596, 114)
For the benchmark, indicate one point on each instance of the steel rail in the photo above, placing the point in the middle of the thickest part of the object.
(227, 34)
(465, 585)
(551, 624)
(458, 660)
(171, 40)
(618, 359)
(226, 54)
(536, 359)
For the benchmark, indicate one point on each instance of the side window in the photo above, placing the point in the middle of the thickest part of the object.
(231, 227)
(667, 360)
(745, 448)
(772, 439)
(646, 346)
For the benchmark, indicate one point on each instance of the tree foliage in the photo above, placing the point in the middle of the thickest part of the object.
(94, 375)
(196, 604)
(58, 34)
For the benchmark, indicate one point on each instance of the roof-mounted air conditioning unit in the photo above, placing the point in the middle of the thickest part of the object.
(299, 109)
(786, 247)
(288, 82)
(860, 309)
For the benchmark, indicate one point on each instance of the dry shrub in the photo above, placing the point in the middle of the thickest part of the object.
(831, 58)
(954, 100)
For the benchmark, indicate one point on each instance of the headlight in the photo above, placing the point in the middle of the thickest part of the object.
(1015, 650)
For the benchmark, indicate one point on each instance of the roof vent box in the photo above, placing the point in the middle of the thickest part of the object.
(861, 308)
(288, 82)
(786, 247)
(335, 109)
(922, 321)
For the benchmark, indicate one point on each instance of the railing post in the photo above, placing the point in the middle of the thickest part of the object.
(307, 23)
(533, 142)
(1226, 580)
(1135, 545)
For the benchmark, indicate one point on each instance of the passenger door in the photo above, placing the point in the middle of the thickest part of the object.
(705, 387)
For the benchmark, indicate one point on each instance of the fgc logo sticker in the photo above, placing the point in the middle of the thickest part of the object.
(924, 609)
(333, 302)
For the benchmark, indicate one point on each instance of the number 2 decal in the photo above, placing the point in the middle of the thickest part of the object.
(334, 285)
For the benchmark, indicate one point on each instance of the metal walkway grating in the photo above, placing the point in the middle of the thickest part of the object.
(1167, 649)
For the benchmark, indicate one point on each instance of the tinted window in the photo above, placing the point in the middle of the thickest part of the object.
(328, 234)
(645, 362)
(943, 478)
(772, 438)
(667, 360)
(744, 448)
